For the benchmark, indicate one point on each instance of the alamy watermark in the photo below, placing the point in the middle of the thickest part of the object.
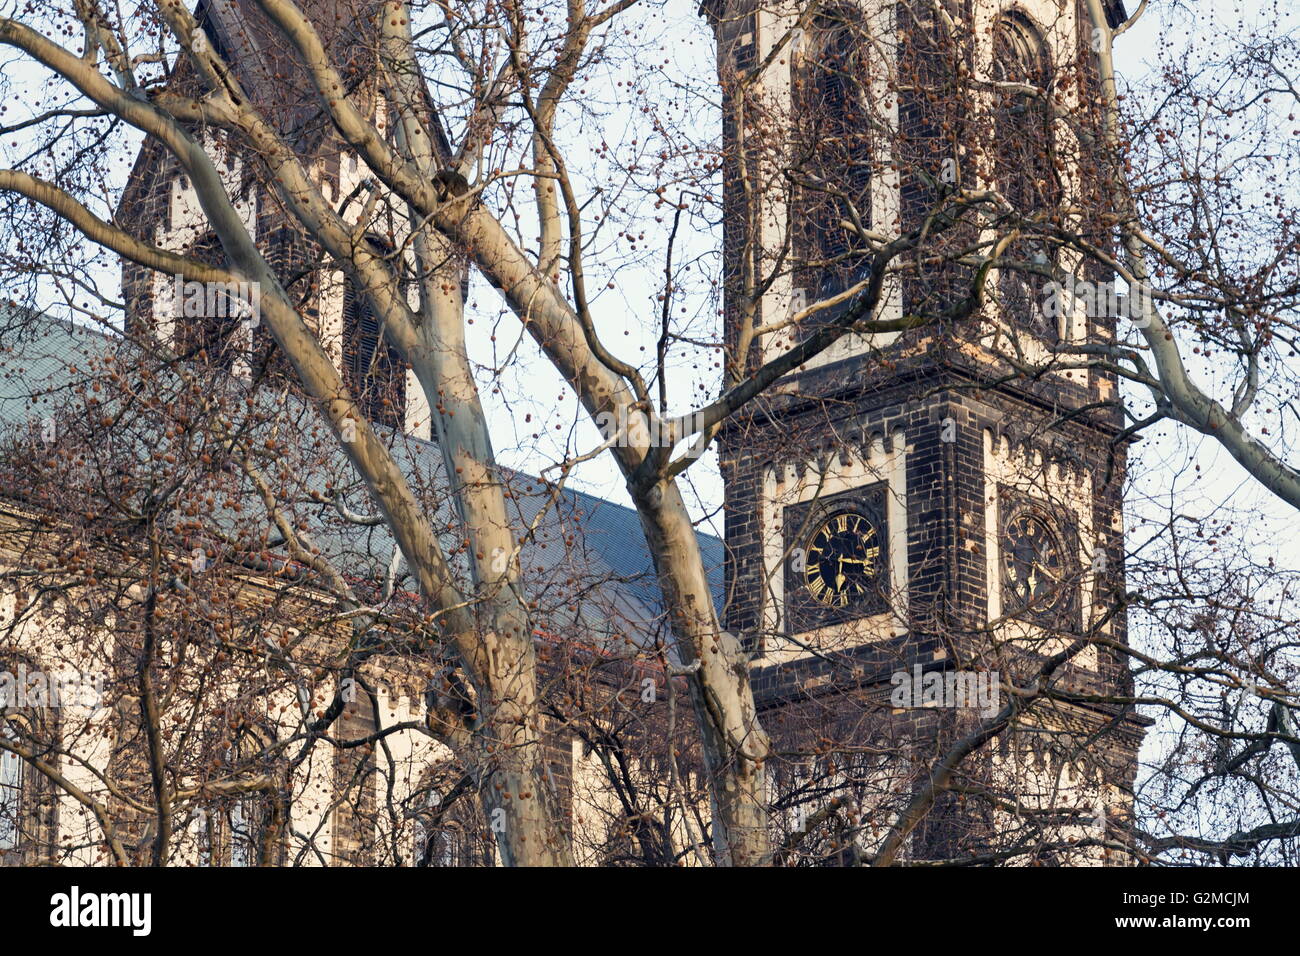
(75, 909)
(220, 300)
(1098, 300)
(977, 690)
(41, 689)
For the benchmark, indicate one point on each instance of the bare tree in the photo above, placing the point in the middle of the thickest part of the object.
(470, 134)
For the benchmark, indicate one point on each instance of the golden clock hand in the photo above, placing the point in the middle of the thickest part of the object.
(840, 577)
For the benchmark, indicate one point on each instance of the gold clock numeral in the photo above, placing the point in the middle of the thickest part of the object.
(841, 559)
(1033, 563)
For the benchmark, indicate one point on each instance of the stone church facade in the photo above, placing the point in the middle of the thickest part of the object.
(901, 514)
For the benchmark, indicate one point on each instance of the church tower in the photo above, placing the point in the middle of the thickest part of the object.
(924, 520)
(209, 329)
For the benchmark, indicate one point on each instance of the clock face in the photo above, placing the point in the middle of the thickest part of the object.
(843, 560)
(1033, 562)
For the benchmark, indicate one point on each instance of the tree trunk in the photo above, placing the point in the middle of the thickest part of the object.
(734, 742)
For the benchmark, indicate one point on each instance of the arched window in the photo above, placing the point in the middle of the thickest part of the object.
(1023, 121)
(11, 794)
(208, 314)
(1023, 156)
(27, 800)
(202, 830)
(432, 844)
(229, 831)
(932, 149)
(832, 153)
(447, 826)
(372, 368)
(242, 818)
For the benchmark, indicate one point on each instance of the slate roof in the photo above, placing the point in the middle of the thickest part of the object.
(587, 565)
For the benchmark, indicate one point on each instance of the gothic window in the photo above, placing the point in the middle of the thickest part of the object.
(203, 837)
(934, 132)
(832, 153)
(1023, 164)
(372, 368)
(27, 806)
(234, 829)
(229, 831)
(208, 315)
(241, 818)
(447, 828)
(11, 794)
(295, 261)
(435, 845)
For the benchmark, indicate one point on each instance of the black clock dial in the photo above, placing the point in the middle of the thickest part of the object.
(843, 560)
(1033, 561)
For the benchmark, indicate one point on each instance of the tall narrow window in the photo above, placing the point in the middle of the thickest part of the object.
(373, 369)
(832, 154)
(295, 260)
(203, 842)
(209, 314)
(932, 151)
(242, 821)
(11, 795)
(1023, 120)
(1023, 154)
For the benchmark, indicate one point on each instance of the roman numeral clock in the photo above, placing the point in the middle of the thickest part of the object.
(1038, 576)
(839, 567)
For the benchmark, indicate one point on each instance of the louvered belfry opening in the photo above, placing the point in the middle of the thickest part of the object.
(1024, 169)
(373, 369)
(832, 153)
(932, 150)
(210, 334)
(295, 259)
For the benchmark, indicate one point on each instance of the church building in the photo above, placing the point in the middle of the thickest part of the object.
(923, 545)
